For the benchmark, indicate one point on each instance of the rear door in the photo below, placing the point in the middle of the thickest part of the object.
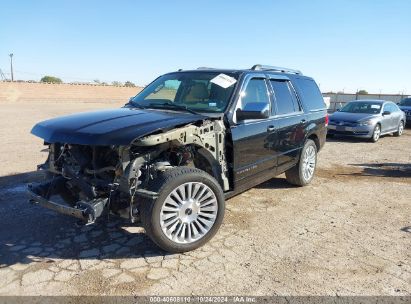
(290, 123)
(396, 117)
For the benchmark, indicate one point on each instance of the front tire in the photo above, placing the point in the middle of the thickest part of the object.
(400, 129)
(188, 211)
(376, 134)
(303, 173)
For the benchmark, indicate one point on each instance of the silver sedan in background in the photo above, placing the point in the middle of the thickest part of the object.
(367, 119)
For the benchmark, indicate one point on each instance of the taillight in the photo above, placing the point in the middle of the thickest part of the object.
(326, 119)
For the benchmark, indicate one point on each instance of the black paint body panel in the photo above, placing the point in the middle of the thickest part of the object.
(110, 127)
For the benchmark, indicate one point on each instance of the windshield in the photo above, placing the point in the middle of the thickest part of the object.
(362, 107)
(406, 102)
(195, 91)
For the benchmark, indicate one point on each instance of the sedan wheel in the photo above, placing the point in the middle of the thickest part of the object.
(376, 134)
(400, 129)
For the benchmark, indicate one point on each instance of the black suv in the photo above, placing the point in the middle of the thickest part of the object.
(405, 105)
(171, 156)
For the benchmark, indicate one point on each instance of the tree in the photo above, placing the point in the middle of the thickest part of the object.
(129, 84)
(362, 92)
(117, 83)
(51, 79)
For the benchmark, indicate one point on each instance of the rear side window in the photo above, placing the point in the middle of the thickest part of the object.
(310, 93)
(284, 97)
(395, 108)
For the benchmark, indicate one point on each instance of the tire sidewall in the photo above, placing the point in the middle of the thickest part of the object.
(373, 133)
(401, 128)
(159, 237)
(308, 143)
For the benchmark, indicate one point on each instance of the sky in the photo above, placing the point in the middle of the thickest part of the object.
(345, 45)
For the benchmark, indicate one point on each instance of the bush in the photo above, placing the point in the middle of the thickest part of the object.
(117, 83)
(51, 79)
(362, 92)
(129, 84)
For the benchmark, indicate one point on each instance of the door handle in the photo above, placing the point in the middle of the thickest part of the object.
(270, 128)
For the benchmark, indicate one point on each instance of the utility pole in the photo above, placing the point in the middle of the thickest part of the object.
(11, 66)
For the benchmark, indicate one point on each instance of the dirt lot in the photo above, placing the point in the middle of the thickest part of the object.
(348, 233)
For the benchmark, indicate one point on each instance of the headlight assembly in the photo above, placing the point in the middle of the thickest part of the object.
(365, 123)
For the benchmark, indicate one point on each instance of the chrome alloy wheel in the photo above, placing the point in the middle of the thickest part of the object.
(377, 132)
(309, 159)
(188, 212)
(400, 128)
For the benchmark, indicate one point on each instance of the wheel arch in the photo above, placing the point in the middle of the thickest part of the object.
(205, 161)
(316, 140)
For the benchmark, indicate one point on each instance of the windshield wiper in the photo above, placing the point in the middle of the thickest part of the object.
(136, 105)
(172, 106)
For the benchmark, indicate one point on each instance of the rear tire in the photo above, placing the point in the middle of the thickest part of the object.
(400, 129)
(303, 173)
(181, 218)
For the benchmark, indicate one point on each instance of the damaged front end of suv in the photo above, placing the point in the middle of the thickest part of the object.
(89, 181)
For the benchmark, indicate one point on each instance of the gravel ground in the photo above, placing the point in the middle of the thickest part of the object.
(348, 233)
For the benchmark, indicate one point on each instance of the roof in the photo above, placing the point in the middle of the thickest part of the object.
(255, 68)
(371, 100)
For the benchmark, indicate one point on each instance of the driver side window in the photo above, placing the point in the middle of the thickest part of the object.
(255, 92)
(387, 108)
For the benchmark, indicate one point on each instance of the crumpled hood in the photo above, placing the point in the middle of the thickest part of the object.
(110, 127)
(351, 117)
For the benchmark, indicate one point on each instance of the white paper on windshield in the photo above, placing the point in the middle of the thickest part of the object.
(223, 80)
(375, 107)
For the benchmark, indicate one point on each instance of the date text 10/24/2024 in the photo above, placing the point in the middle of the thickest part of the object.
(203, 299)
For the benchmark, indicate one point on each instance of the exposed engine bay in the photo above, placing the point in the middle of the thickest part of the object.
(88, 182)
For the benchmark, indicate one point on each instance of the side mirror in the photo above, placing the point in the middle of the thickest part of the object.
(338, 110)
(254, 110)
(386, 113)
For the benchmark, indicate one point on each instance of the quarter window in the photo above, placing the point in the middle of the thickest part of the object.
(310, 94)
(285, 97)
(393, 107)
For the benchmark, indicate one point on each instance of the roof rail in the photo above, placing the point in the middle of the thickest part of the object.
(262, 67)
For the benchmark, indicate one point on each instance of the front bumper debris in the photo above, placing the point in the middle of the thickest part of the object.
(87, 211)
